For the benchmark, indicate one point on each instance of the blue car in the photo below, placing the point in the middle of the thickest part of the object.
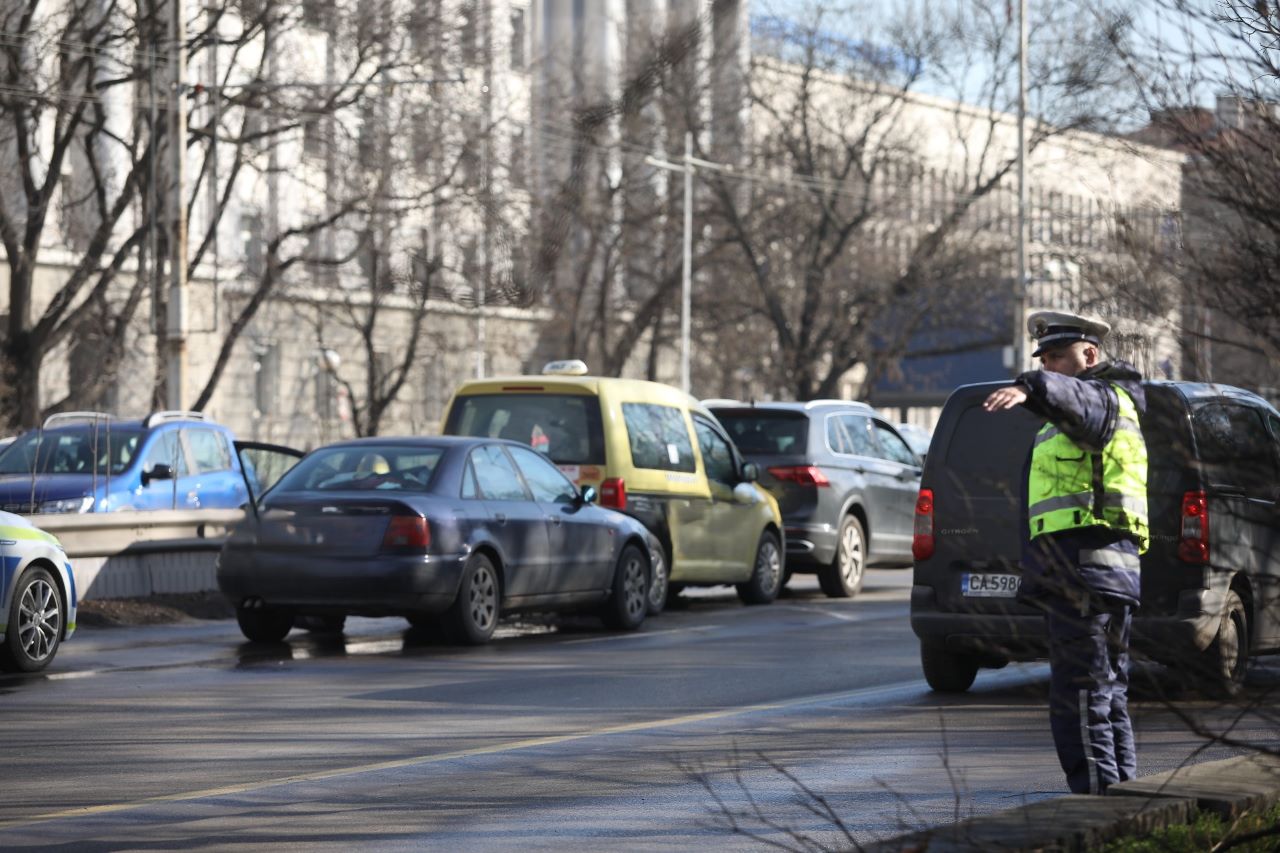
(91, 462)
(446, 532)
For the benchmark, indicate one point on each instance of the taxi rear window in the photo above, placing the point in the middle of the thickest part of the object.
(563, 427)
(659, 437)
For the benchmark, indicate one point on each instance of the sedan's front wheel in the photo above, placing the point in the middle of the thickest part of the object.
(36, 619)
(629, 601)
(473, 616)
(264, 624)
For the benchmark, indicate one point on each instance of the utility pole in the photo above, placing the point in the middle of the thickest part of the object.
(1020, 297)
(686, 284)
(175, 348)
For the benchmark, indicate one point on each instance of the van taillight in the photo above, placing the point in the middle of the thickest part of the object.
(407, 533)
(613, 493)
(1193, 543)
(805, 475)
(922, 541)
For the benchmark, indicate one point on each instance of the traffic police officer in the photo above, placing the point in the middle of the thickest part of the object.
(1087, 520)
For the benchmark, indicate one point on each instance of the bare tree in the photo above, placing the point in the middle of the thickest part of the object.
(844, 222)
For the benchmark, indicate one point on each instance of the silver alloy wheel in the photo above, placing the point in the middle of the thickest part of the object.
(633, 590)
(482, 597)
(769, 565)
(1229, 646)
(851, 556)
(39, 620)
(658, 586)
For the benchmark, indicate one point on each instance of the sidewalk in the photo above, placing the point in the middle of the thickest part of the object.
(1077, 822)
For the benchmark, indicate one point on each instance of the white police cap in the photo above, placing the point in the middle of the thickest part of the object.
(1054, 328)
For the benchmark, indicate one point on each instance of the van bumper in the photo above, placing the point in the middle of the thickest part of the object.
(1192, 628)
(1004, 636)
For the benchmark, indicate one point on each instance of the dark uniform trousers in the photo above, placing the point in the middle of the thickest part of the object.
(1089, 692)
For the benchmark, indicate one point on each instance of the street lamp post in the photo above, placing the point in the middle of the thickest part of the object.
(686, 283)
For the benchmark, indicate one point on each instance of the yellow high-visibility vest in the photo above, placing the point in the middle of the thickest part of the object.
(1070, 487)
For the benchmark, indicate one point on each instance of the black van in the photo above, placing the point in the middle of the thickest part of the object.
(1210, 580)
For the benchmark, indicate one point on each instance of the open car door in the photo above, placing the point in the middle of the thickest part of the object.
(263, 465)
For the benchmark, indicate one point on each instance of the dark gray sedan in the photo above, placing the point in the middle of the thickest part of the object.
(446, 532)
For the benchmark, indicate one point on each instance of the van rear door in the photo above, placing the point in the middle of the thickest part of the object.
(976, 472)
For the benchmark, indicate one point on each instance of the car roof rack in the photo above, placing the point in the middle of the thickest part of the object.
(56, 418)
(175, 415)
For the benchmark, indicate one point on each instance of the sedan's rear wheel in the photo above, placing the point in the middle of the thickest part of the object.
(264, 624)
(843, 578)
(36, 619)
(629, 602)
(473, 616)
(766, 574)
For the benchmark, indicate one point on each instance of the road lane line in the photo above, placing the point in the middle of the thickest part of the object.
(903, 689)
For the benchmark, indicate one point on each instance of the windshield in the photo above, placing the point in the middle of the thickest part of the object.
(366, 467)
(71, 451)
(563, 427)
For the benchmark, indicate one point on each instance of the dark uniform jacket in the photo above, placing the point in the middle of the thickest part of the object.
(1085, 408)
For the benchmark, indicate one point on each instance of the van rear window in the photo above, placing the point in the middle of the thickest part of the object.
(563, 427)
(757, 432)
(988, 451)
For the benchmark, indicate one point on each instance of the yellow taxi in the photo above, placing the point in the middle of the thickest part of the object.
(651, 451)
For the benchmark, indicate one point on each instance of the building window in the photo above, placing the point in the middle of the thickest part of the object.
(266, 379)
(518, 59)
(313, 138)
(252, 244)
(317, 13)
(469, 32)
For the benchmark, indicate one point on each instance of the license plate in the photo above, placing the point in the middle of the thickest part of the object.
(982, 585)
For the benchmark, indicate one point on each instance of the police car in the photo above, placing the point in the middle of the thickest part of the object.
(37, 595)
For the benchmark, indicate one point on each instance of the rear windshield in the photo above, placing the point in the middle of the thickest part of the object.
(71, 451)
(764, 433)
(563, 427)
(367, 467)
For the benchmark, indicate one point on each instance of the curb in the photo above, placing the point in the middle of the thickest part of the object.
(1078, 822)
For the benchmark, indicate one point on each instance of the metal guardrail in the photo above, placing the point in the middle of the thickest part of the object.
(108, 534)
(140, 554)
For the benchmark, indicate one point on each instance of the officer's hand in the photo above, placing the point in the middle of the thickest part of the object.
(1005, 398)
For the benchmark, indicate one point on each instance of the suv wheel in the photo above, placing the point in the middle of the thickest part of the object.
(36, 619)
(843, 578)
(1227, 657)
(766, 574)
(945, 670)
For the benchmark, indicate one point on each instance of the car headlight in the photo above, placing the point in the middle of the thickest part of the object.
(80, 504)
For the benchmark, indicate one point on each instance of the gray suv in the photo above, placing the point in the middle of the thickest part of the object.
(845, 481)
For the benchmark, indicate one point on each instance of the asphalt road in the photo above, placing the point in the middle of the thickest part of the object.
(716, 725)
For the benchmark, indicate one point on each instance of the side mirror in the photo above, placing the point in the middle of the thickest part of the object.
(745, 493)
(750, 472)
(159, 471)
(588, 494)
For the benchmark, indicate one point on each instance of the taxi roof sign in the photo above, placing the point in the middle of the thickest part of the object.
(566, 367)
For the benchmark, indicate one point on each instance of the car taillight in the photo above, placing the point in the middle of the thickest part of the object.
(613, 493)
(805, 475)
(922, 540)
(1193, 543)
(407, 533)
